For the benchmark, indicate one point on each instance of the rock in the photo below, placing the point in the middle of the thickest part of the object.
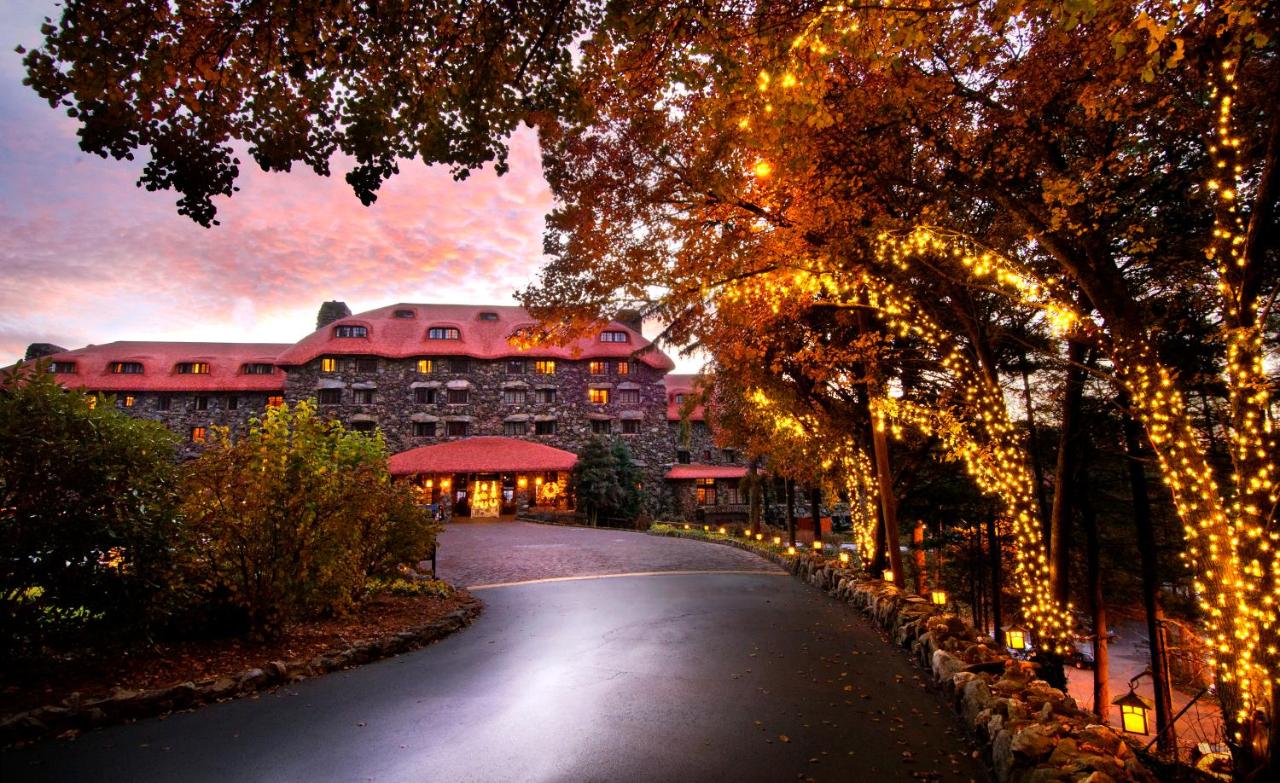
(1033, 742)
(1002, 756)
(1100, 737)
(976, 697)
(945, 665)
(251, 680)
(1045, 774)
(221, 688)
(278, 671)
(1098, 777)
(1064, 752)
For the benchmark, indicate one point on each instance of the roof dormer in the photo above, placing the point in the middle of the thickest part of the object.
(444, 333)
(350, 330)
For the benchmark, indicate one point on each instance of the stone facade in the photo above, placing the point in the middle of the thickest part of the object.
(186, 414)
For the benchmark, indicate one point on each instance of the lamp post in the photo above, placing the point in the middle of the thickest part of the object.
(939, 598)
(1017, 638)
(1134, 710)
(888, 575)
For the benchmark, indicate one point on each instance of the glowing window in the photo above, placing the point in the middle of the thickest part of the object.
(127, 401)
(198, 434)
(598, 396)
(598, 368)
(426, 366)
(622, 368)
(613, 336)
(275, 401)
(706, 492)
(328, 364)
(350, 330)
(126, 368)
(193, 368)
(545, 367)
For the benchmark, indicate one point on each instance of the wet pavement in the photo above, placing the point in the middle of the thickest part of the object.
(672, 677)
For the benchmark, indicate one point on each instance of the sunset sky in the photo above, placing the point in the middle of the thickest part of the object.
(87, 257)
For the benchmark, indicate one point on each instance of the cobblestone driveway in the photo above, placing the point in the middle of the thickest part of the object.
(487, 553)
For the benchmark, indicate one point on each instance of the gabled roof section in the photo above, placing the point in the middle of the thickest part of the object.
(160, 362)
(681, 384)
(480, 338)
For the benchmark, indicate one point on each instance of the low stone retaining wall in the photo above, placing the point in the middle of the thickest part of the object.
(75, 714)
(1028, 731)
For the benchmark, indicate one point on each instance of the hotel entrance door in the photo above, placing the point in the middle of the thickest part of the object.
(486, 497)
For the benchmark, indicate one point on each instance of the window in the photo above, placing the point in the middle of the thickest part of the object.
(457, 429)
(443, 333)
(255, 368)
(730, 455)
(679, 398)
(601, 426)
(127, 401)
(544, 427)
(328, 364)
(366, 364)
(486, 316)
(630, 396)
(275, 401)
(730, 496)
(198, 434)
(424, 396)
(363, 425)
(613, 336)
(459, 396)
(424, 429)
(514, 396)
(460, 365)
(706, 492)
(202, 403)
(329, 396)
(546, 395)
(126, 368)
(63, 367)
(630, 426)
(350, 330)
(515, 367)
(233, 403)
(164, 402)
(515, 428)
(426, 366)
(622, 368)
(193, 368)
(362, 396)
(682, 456)
(545, 367)
(598, 368)
(403, 314)
(706, 455)
(598, 396)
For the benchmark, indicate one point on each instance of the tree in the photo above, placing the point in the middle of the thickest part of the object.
(606, 480)
(86, 515)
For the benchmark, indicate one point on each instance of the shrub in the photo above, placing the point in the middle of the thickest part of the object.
(410, 587)
(86, 514)
(291, 520)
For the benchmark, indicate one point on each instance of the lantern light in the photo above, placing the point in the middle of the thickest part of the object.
(844, 558)
(939, 597)
(791, 550)
(747, 532)
(522, 482)
(777, 540)
(723, 531)
(706, 528)
(759, 536)
(428, 483)
(1133, 712)
(1016, 637)
(686, 525)
(888, 575)
(817, 545)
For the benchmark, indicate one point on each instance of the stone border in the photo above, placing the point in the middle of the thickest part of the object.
(122, 706)
(1027, 730)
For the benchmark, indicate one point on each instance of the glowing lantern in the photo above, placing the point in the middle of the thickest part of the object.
(844, 558)
(445, 483)
(759, 536)
(686, 526)
(1015, 637)
(762, 168)
(888, 575)
(939, 597)
(706, 528)
(522, 482)
(723, 531)
(429, 483)
(1133, 712)
(791, 550)
(817, 545)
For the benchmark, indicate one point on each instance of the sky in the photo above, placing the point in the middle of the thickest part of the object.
(88, 257)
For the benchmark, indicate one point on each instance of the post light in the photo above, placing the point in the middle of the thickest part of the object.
(759, 536)
(888, 575)
(429, 483)
(791, 550)
(747, 532)
(1015, 637)
(445, 483)
(844, 558)
(817, 546)
(777, 540)
(723, 531)
(706, 528)
(939, 597)
(538, 481)
(522, 482)
(1133, 712)
(686, 525)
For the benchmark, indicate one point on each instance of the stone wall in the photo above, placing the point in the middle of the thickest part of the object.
(183, 415)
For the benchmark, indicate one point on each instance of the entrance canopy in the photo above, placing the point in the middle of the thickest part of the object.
(482, 454)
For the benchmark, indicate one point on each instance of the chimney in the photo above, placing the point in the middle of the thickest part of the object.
(37, 350)
(330, 312)
(630, 318)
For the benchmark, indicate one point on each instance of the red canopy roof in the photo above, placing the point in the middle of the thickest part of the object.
(92, 367)
(706, 472)
(483, 454)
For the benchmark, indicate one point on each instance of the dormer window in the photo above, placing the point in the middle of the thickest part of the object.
(193, 368)
(257, 368)
(486, 316)
(126, 368)
(614, 336)
(444, 333)
(350, 330)
(403, 314)
(63, 368)
(679, 399)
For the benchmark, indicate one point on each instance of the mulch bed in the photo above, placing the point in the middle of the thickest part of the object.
(170, 663)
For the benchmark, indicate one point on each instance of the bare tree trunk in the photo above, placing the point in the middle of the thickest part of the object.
(753, 493)
(1064, 475)
(1033, 449)
(888, 503)
(1097, 604)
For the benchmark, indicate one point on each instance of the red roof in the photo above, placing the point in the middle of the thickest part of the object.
(678, 472)
(480, 338)
(160, 367)
(482, 454)
(680, 384)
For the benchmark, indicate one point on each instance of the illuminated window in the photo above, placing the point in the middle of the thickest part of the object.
(366, 364)
(629, 395)
(443, 333)
(514, 396)
(459, 396)
(424, 396)
(424, 429)
(275, 401)
(193, 368)
(601, 426)
(613, 336)
(202, 403)
(198, 434)
(706, 492)
(598, 396)
(457, 429)
(515, 428)
(127, 401)
(329, 396)
(257, 368)
(622, 368)
(362, 396)
(403, 314)
(91, 400)
(164, 402)
(545, 367)
(598, 368)
(328, 364)
(426, 366)
(546, 395)
(63, 368)
(630, 426)
(544, 427)
(350, 330)
(516, 367)
(126, 368)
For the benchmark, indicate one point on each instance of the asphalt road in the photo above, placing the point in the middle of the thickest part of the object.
(674, 677)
